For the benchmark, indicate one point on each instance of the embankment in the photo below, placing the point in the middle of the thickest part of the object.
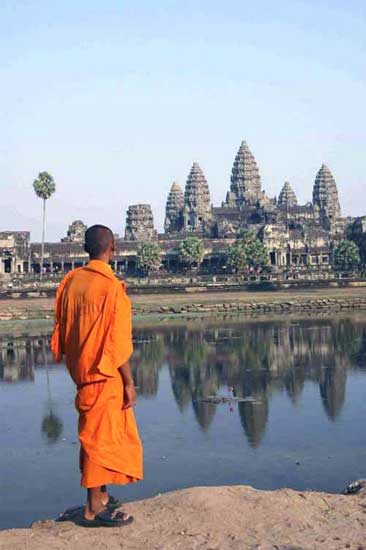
(215, 518)
(202, 304)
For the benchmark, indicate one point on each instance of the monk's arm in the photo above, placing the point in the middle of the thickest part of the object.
(129, 385)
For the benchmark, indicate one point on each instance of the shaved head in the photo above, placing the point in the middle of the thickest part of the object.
(98, 239)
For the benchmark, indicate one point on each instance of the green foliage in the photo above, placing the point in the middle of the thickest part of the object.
(247, 235)
(149, 257)
(347, 254)
(191, 251)
(44, 186)
(248, 252)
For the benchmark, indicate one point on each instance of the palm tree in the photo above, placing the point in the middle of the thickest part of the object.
(44, 186)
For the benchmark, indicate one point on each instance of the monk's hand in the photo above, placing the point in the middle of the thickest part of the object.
(129, 396)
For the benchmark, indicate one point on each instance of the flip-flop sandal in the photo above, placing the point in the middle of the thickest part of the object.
(71, 513)
(114, 503)
(107, 518)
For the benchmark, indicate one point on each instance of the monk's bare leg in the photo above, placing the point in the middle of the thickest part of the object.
(105, 496)
(94, 503)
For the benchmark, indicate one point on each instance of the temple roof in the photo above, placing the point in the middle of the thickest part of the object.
(300, 209)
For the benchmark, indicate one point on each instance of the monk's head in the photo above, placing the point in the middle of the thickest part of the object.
(99, 243)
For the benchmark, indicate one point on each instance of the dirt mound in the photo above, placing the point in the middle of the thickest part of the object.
(215, 518)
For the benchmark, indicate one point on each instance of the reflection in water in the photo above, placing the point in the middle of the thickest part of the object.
(147, 360)
(333, 387)
(19, 357)
(52, 425)
(253, 418)
(256, 358)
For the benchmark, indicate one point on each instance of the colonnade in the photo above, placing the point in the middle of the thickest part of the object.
(280, 258)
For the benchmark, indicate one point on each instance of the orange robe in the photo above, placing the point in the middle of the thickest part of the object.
(93, 330)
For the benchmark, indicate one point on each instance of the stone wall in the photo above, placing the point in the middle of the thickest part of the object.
(38, 309)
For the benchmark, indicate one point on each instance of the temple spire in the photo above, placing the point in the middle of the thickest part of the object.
(325, 194)
(246, 184)
(197, 204)
(174, 209)
(287, 197)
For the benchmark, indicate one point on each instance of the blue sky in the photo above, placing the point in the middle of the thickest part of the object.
(118, 98)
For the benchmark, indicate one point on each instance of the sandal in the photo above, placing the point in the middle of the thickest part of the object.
(107, 518)
(71, 513)
(113, 503)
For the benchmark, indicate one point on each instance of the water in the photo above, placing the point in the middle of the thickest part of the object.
(304, 427)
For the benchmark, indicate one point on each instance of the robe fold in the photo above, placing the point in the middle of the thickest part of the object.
(93, 331)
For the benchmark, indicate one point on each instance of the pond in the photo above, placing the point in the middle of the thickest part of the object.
(300, 425)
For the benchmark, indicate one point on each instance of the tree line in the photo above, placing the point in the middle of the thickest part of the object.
(247, 254)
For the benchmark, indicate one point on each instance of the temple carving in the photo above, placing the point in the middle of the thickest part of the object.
(297, 236)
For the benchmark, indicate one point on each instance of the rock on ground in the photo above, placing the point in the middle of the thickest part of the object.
(214, 518)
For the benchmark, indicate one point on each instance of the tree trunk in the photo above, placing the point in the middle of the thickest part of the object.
(43, 231)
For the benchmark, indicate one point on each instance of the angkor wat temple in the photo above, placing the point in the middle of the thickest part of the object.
(298, 237)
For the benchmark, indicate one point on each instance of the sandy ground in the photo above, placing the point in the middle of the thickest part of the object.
(216, 518)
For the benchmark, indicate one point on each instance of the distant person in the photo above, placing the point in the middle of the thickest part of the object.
(93, 331)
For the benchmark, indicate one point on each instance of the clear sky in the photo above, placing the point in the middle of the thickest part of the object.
(117, 98)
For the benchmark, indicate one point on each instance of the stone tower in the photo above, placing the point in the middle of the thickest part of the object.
(246, 184)
(197, 212)
(140, 223)
(287, 197)
(174, 210)
(75, 232)
(325, 195)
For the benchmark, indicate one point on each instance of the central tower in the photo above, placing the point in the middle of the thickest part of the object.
(246, 186)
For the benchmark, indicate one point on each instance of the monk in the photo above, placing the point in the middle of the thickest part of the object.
(93, 331)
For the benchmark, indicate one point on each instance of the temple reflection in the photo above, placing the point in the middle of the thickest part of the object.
(20, 355)
(253, 417)
(149, 354)
(248, 359)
